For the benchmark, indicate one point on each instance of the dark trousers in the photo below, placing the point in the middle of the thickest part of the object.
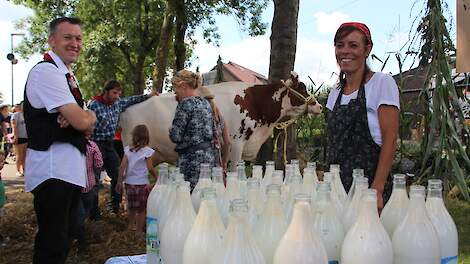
(86, 205)
(111, 165)
(56, 206)
(95, 213)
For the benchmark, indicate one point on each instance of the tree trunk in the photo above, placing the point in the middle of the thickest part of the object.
(163, 50)
(281, 63)
(139, 82)
(180, 33)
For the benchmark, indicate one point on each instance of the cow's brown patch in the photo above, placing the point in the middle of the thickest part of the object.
(259, 105)
(296, 100)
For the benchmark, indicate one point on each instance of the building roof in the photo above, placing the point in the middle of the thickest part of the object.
(244, 74)
(236, 72)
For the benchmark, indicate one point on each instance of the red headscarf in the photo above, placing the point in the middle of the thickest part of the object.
(361, 27)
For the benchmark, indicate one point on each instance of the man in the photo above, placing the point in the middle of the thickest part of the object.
(108, 106)
(56, 125)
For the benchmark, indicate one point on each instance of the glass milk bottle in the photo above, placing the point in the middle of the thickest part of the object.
(443, 223)
(170, 202)
(272, 223)
(278, 175)
(415, 239)
(255, 201)
(351, 213)
(337, 184)
(396, 208)
(257, 172)
(204, 181)
(154, 199)
(178, 225)
(232, 192)
(328, 177)
(295, 188)
(242, 177)
(310, 181)
(327, 224)
(239, 245)
(300, 244)
(218, 183)
(285, 188)
(367, 242)
(356, 173)
(268, 175)
(206, 235)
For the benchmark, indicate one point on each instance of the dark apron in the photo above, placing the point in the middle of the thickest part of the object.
(350, 143)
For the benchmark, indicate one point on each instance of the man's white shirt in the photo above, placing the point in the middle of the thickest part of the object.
(48, 88)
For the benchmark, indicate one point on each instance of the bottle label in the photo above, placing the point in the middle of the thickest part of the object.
(450, 260)
(333, 262)
(153, 241)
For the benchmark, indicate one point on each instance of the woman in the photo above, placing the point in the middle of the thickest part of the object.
(363, 113)
(192, 128)
(221, 140)
(20, 137)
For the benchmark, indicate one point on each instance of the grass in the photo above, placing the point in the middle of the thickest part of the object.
(460, 211)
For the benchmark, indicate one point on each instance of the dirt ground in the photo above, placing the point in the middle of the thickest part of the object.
(108, 237)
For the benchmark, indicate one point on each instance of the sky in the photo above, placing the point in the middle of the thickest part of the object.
(389, 21)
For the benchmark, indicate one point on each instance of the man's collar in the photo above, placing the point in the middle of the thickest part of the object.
(58, 61)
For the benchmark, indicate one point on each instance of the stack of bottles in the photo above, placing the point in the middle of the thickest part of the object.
(294, 217)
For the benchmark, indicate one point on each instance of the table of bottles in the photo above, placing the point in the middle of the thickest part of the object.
(295, 218)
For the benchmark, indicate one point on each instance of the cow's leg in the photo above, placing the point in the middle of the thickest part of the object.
(235, 155)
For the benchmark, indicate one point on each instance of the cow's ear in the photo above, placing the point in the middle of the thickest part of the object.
(294, 77)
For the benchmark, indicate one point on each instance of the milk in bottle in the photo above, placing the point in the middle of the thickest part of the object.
(152, 233)
(327, 224)
(204, 181)
(206, 235)
(178, 225)
(415, 239)
(238, 245)
(272, 223)
(367, 242)
(397, 206)
(300, 244)
(443, 223)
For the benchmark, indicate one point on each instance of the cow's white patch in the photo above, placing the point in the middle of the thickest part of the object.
(277, 95)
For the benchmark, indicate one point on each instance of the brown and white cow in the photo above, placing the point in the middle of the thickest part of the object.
(250, 111)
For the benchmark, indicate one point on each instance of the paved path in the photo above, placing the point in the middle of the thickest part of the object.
(9, 177)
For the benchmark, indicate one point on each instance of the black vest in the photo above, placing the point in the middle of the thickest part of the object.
(42, 127)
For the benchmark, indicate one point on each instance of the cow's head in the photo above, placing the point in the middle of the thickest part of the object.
(298, 100)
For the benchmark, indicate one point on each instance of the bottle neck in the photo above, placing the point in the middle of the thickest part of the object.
(368, 211)
(435, 193)
(302, 215)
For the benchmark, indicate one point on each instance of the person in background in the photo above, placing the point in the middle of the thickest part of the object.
(192, 127)
(7, 136)
(56, 124)
(3, 240)
(134, 169)
(108, 106)
(362, 113)
(222, 139)
(94, 162)
(118, 146)
(20, 138)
